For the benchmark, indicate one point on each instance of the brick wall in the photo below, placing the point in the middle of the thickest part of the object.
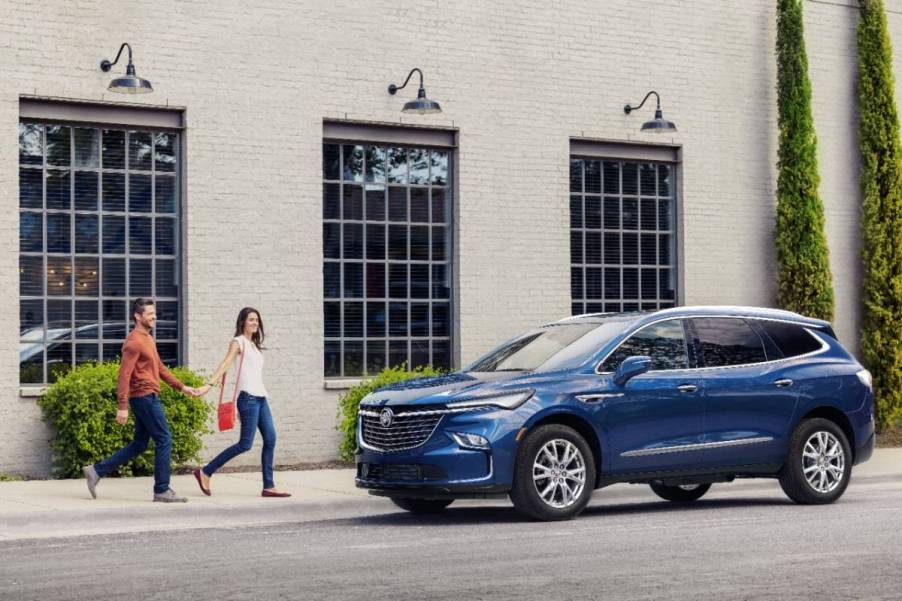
(518, 80)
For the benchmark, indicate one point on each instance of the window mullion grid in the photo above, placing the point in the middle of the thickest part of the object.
(153, 229)
(44, 261)
(72, 290)
(363, 267)
(128, 227)
(341, 262)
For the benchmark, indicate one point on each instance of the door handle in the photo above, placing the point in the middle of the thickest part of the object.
(783, 383)
(687, 388)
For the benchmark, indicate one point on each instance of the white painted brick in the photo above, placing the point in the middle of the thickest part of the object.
(517, 78)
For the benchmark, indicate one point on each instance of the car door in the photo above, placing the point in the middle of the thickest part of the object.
(749, 401)
(655, 421)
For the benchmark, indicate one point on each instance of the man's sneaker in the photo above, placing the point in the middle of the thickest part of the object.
(92, 479)
(168, 497)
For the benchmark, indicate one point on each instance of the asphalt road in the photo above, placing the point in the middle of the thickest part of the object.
(741, 542)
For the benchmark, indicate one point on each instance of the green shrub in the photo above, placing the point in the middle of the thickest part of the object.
(804, 282)
(349, 401)
(81, 408)
(881, 224)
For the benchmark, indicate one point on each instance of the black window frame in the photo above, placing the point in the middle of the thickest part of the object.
(109, 336)
(344, 134)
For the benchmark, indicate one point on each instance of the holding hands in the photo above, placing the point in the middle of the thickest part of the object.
(196, 392)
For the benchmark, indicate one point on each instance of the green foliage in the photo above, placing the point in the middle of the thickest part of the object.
(4, 477)
(81, 407)
(804, 280)
(881, 233)
(350, 401)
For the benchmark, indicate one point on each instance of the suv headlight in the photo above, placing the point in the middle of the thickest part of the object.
(865, 377)
(503, 401)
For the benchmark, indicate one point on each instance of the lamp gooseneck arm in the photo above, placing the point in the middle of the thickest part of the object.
(627, 109)
(106, 65)
(392, 89)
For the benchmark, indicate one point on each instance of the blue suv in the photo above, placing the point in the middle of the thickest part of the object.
(678, 399)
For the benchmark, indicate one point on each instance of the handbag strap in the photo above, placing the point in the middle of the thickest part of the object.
(237, 378)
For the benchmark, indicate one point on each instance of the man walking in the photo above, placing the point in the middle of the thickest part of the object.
(139, 387)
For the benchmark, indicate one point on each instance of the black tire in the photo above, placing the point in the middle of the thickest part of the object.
(792, 477)
(422, 506)
(678, 494)
(525, 494)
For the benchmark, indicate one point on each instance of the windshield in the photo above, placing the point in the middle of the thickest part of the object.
(559, 346)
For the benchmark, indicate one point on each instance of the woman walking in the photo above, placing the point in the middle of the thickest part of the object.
(253, 407)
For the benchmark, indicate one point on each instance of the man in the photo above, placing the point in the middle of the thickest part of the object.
(139, 387)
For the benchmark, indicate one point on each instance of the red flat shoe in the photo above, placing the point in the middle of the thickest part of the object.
(270, 493)
(200, 482)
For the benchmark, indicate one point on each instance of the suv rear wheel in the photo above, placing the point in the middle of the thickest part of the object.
(681, 493)
(555, 474)
(819, 464)
(421, 505)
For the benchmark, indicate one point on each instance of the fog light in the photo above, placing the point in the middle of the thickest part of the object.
(470, 441)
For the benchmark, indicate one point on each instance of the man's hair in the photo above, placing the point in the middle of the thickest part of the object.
(138, 305)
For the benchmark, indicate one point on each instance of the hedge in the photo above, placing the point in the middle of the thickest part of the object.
(81, 408)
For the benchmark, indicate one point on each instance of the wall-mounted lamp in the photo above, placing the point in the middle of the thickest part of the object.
(659, 124)
(129, 83)
(420, 106)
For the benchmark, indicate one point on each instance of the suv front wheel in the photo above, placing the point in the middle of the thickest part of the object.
(819, 464)
(555, 474)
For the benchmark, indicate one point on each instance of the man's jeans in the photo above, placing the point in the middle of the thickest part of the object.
(254, 412)
(149, 423)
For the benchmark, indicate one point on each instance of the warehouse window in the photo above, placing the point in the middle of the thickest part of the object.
(99, 222)
(386, 256)
(622, 235)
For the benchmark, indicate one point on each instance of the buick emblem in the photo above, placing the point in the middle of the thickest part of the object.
(386, 418)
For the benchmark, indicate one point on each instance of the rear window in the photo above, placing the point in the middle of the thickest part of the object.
(792, 339)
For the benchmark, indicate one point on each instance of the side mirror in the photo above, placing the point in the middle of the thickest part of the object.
(630, 368)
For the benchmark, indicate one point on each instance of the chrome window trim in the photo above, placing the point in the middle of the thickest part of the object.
(807, 327)
(697, 446)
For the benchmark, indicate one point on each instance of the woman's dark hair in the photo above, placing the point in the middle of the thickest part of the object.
(258, 336)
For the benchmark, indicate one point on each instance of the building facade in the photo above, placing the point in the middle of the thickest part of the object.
(271, 168)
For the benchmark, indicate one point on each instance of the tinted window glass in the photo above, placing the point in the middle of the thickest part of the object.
(663, 342)
(793, 340)
(727, 341)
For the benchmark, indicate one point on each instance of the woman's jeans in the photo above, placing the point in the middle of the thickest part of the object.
(254, 412)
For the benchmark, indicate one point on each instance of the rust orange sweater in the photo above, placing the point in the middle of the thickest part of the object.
(141, 369)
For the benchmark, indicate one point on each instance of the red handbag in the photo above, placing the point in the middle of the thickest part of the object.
(229, 411)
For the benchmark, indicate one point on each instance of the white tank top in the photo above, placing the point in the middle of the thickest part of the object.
(251, 378)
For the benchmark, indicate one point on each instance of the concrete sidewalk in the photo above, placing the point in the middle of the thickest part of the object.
(51, 508)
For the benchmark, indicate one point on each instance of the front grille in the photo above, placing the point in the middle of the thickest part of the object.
(409, 428)
(399, 472)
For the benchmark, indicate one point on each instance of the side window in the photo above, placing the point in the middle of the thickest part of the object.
(728, 341)
(793, 340)
(663, 342)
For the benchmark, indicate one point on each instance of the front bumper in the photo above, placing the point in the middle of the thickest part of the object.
(440, 468)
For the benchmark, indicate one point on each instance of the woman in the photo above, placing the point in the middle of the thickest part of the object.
(252, 404)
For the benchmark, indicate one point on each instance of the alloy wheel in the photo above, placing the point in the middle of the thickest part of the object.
(559, 473)
(823, 461)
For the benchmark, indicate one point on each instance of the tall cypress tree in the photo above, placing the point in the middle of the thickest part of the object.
(881, 227)
(804, 283)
